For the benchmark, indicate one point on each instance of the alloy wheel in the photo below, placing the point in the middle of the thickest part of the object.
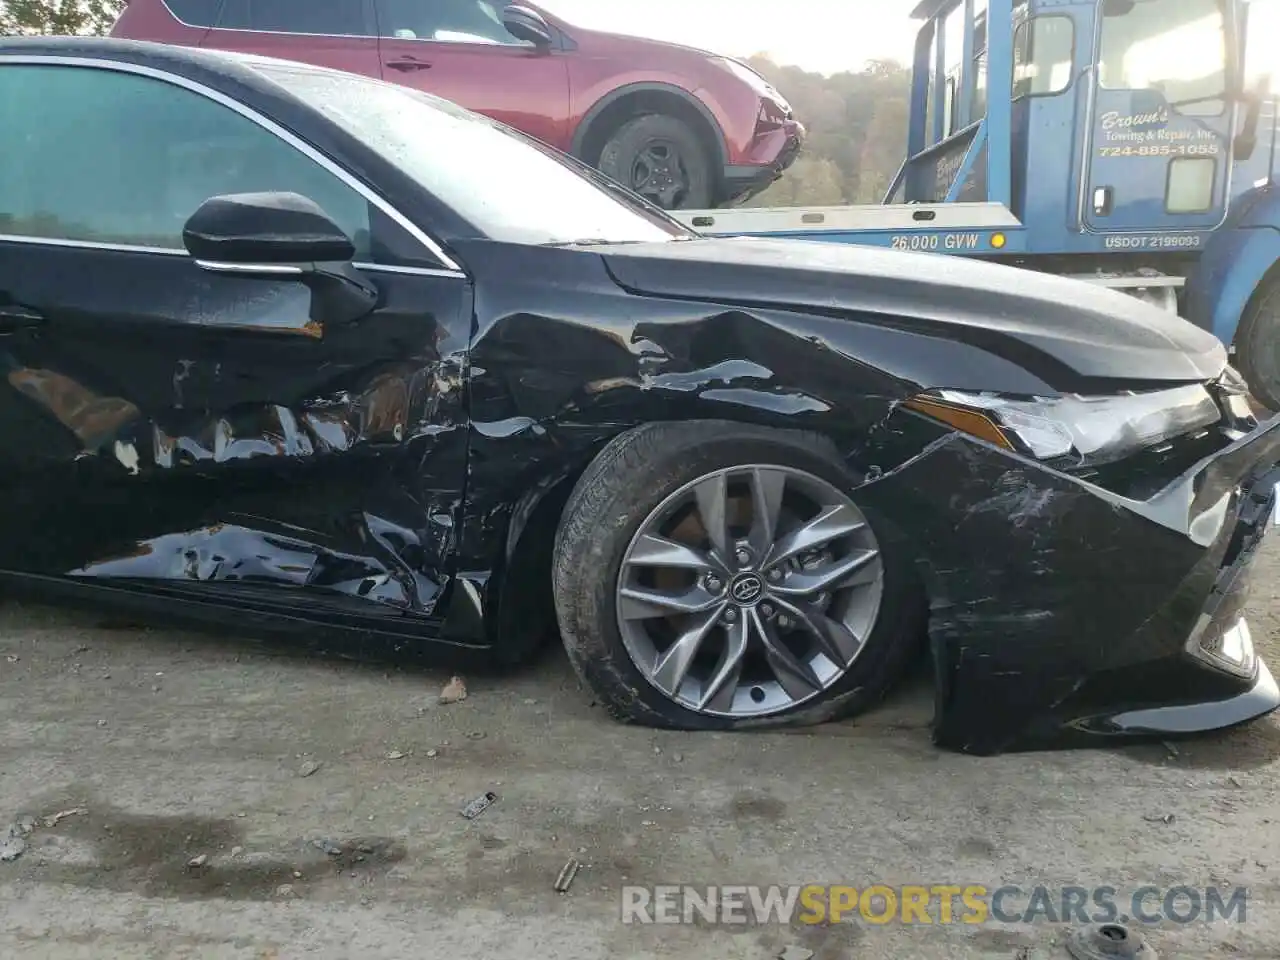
(658, 174)
(749, 591)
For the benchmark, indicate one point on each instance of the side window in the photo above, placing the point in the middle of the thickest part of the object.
(194, 13)
(1043, 56)
(459, 21)
(1174, 47)
(108, 157)
(335, 18)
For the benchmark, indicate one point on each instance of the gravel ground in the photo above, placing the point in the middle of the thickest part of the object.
(235, 800)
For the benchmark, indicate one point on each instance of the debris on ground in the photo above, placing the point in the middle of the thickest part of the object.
(1173, 751)
(677, 757)
(1159, 818)
(61, 815)
(12, 846)
(284, 890)
(565, 880)
(308, 768)
(396, 755)
(26, 823)
(199, 861)
(236, 851)
(330, 848)
(476, 735)
(454, 691)
(479, 805)
(795, 953)
(1108, 941)
(432, 753)
(1234, 783)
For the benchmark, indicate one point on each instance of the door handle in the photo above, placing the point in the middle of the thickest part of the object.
(1103, 199)
(14, 316)
(405, 64)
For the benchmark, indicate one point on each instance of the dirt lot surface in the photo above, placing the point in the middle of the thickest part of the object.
(171, 747)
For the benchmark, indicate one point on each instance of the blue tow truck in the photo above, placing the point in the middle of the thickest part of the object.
(1131, 143)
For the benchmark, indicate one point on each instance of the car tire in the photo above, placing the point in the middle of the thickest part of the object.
(1258, 346)
(611, 511)
(662, 140)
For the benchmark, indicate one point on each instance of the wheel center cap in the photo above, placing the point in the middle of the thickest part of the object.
(746, 588)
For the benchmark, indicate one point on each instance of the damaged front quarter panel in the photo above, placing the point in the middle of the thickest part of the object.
(1027, 638)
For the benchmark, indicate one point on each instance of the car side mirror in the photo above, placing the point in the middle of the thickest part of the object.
(525, 23)
(281, 236)
(1247, 139)
(265, 229)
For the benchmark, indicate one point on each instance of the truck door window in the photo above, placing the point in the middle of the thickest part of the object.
(1190, 186)
(1043, 54)
(1174, 47)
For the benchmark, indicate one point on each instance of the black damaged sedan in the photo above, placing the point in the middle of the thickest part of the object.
(295, 350)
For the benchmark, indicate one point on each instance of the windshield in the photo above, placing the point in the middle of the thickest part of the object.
(509, 187)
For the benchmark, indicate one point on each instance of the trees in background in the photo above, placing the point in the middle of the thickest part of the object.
(58, 16)
(857, 125)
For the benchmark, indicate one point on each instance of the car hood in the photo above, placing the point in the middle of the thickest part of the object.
(1064, 331)
(631, 41)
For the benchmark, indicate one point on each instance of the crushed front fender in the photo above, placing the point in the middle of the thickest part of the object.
(1062, 613)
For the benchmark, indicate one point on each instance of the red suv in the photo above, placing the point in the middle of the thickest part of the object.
(682, 127)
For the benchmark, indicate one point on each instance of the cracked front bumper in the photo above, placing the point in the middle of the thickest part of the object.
(1063, 614)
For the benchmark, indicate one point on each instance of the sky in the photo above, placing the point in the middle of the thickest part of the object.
(826, 36)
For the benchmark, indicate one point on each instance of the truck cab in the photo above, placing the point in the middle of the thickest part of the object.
(1131, 143)
(1111, 126)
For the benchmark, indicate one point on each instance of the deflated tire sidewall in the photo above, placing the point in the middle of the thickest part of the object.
(626, 482)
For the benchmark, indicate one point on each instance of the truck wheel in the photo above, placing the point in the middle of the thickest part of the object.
(662, 159)
(1258, 346)
(713, 575)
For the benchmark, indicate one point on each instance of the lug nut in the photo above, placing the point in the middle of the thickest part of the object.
(767, 609)
(774, 575)
(785, 622)
(730, 615)
(715, 584)
(744, 556)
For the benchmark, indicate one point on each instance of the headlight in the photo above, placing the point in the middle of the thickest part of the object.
(1084, 430)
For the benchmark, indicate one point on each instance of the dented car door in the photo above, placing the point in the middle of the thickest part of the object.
(171, 426)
